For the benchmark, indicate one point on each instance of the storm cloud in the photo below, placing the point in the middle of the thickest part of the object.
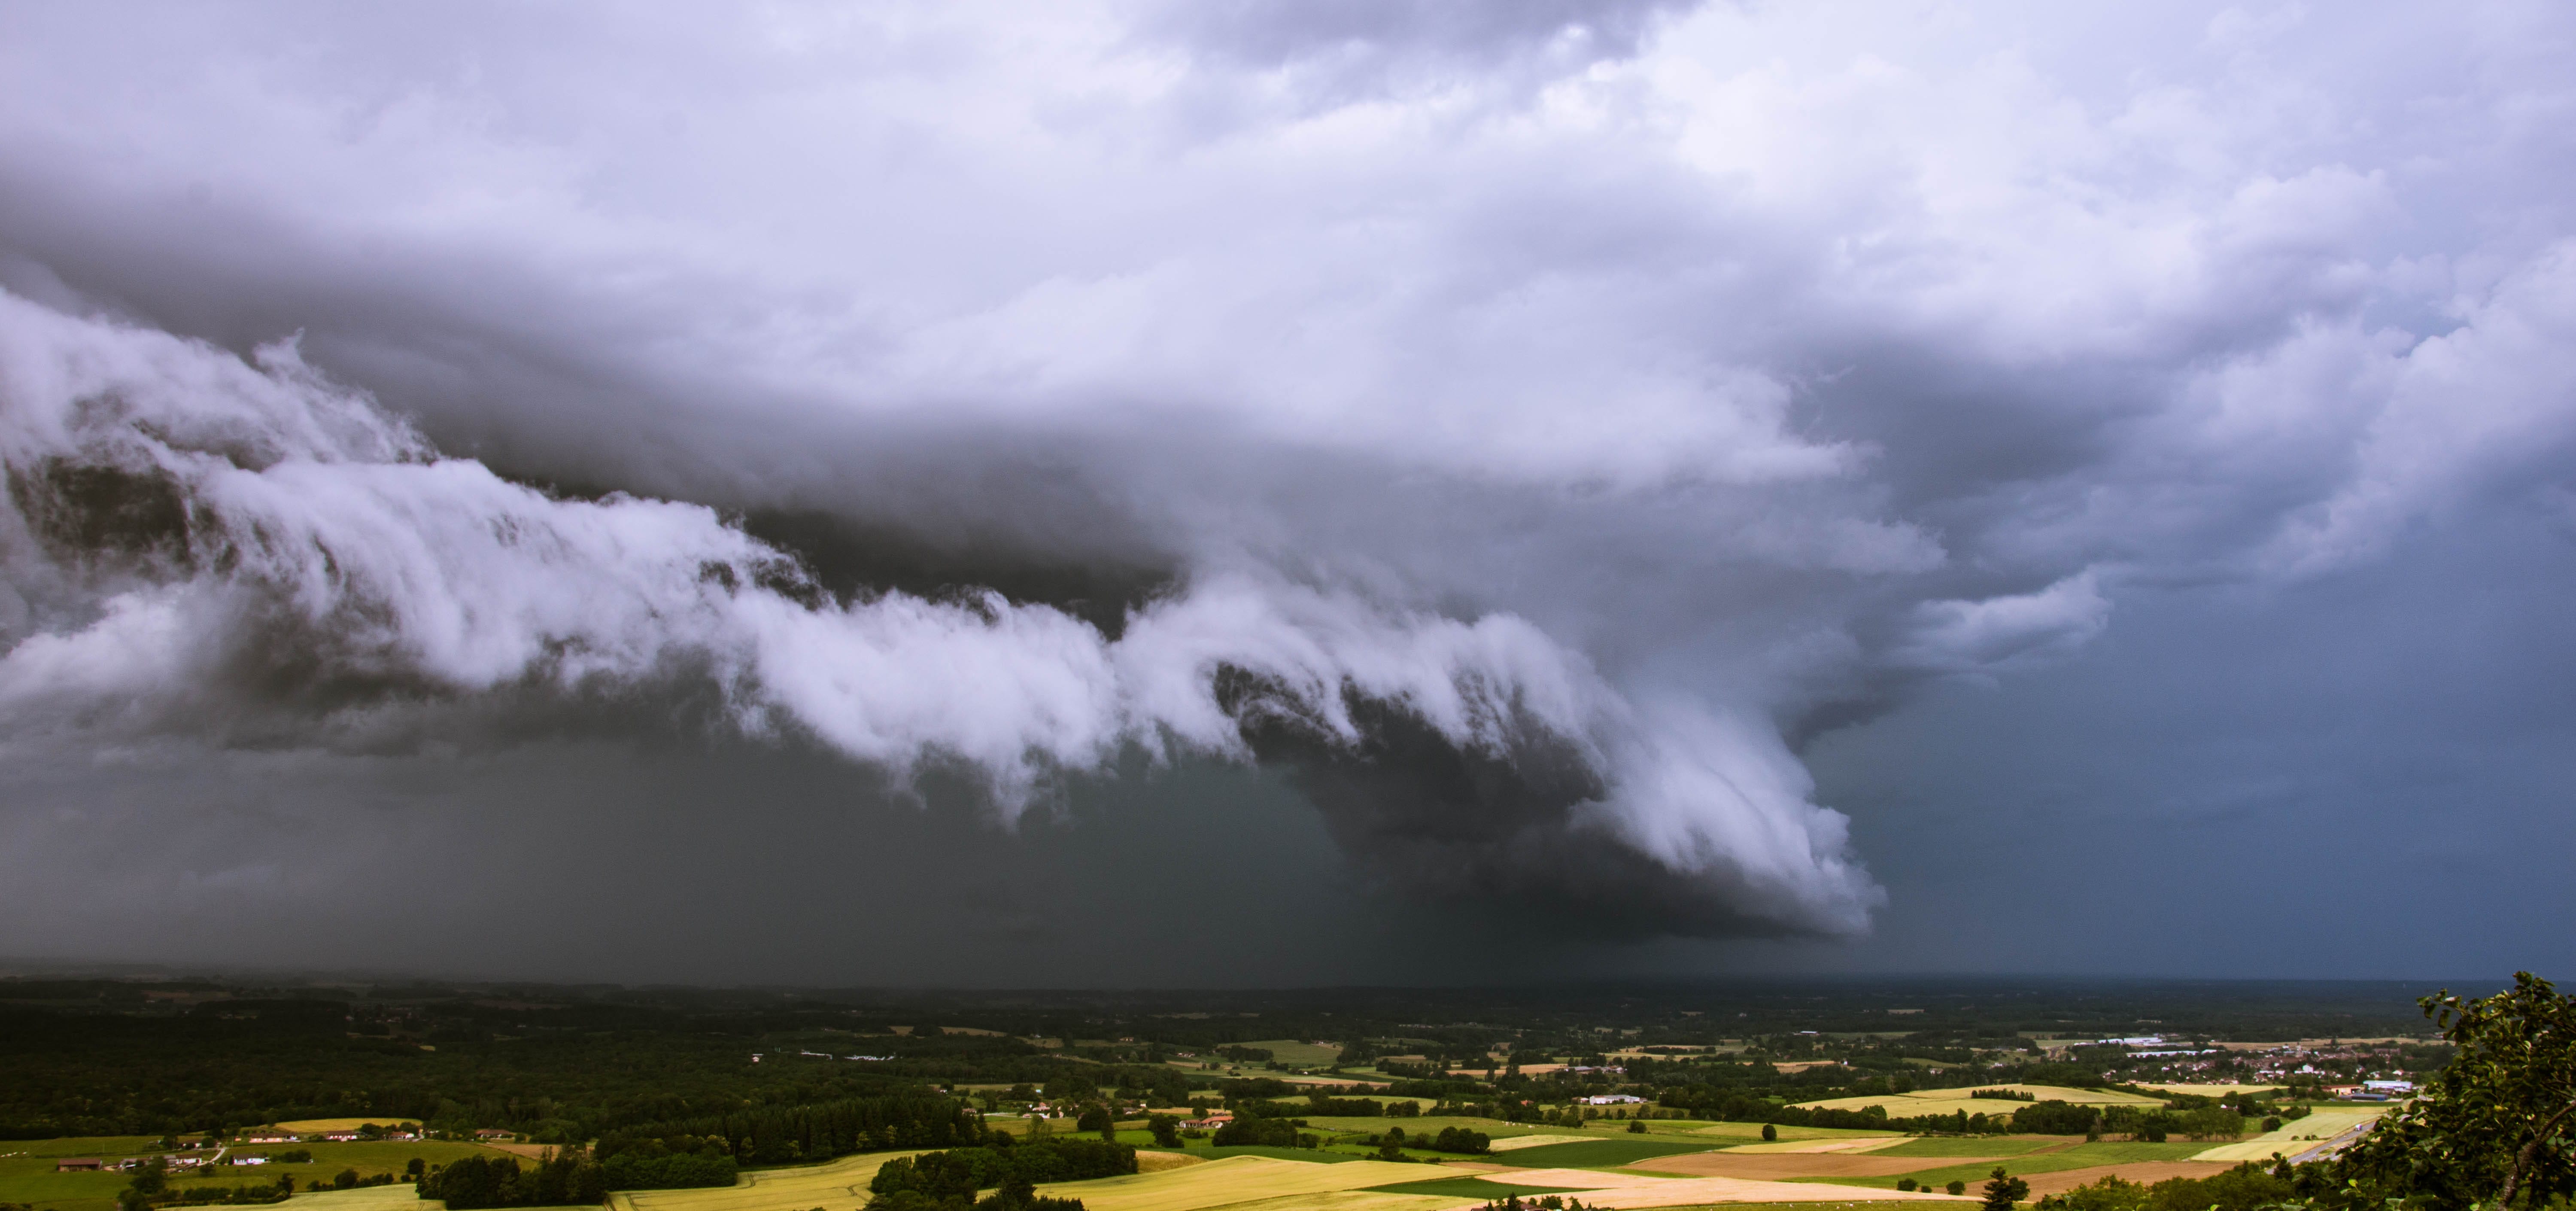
(1522, 433)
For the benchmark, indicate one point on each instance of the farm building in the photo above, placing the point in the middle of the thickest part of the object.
(1613, 1099)
(77, 1164)
(492, 1133)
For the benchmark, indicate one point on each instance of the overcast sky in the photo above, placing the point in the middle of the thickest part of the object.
(1264, 492)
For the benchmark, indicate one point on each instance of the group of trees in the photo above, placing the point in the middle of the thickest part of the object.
(1460, 1140)
(948, 1181)
(779, 1135)
(568, 1176)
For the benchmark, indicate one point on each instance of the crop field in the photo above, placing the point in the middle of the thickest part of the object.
(378, 1198)
(1987, 1145)
(1295, 1051)
(2323, 1123)
(1943, 1101)
(30, 1178)
(2205, 1090)
(1867, 1143)
(1600, 1153)
(304, 1125)
(1541, 1140)
(1753, 1131)
(1235, 1179)
(835, 1186)
(1464, 1187)
(2077, 1156)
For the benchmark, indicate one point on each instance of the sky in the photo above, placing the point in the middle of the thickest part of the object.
(1254, 493)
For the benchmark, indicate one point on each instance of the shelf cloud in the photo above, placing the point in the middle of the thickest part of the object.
(1522, 430)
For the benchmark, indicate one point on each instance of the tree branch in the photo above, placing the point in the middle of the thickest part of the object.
(2522, 1159)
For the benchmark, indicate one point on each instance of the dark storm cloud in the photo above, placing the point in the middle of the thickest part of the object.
(1513, 426)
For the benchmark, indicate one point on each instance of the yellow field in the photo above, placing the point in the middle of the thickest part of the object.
(1943, 1101)
(1534, 1141)
(304, 1125)
(838, 1186)
(1237, 1179)
(396, 1197)
(2323, 1123)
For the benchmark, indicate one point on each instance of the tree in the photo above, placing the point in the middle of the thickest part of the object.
(1636, 1126)
(2497, 1124)
(1769, 1133)
(1166, 1129)
(1956, 1187)
(2003, 1190)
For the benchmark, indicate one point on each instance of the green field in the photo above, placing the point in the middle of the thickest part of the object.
(1464, 1187)
(1292, 1053)
(31, 1178)
(1980, 1145)
(2081, 1156)
(1597, 1154)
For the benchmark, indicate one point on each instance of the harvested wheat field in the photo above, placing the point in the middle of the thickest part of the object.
(1156, 1162)
(1695, 1191)
(840, 1184)
(1236, 1179)
(2145, 1172)
(1786, 1166)
(1867, 1143)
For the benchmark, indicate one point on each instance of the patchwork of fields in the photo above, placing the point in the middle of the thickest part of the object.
(1670, 1164)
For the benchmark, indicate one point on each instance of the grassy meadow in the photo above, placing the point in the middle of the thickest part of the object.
(29, 1177)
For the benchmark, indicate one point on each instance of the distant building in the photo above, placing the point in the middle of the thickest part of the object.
(1210, 1123)
(492, 1133)
(2389, 1086)
(269, 1137)
(1613, 1099)
(77, 1164)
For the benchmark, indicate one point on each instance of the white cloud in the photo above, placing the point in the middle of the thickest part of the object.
(1761, 354)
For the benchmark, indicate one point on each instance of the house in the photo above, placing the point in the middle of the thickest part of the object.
(2389, 1086)
(247, 1160)
(77, 1164)
(340, 1137)
(1210, 1123)
(1612, 1099)
(269, 1137)
(493, 1133)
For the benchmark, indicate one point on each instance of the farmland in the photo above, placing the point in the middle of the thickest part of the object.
(30, 1178)
(1943, 1101)
(841, 1183)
